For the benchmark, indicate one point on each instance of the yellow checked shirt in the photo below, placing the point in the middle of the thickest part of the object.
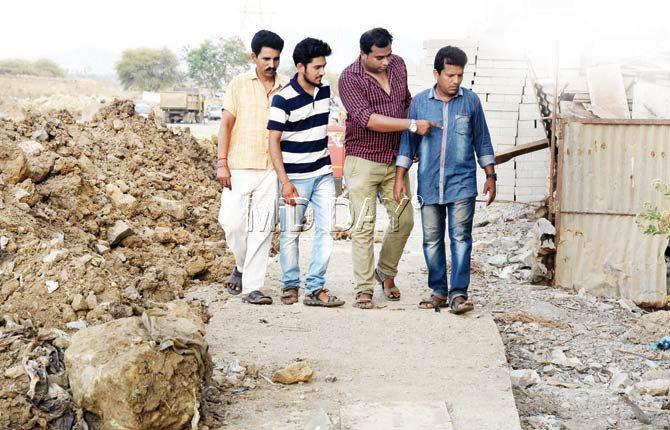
(248, 102)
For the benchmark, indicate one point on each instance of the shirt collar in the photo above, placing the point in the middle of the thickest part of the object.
(432, 94)
(280, 81)
(300, 90)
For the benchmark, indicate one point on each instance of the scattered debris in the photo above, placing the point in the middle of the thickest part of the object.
(298, 371)
(650, 328)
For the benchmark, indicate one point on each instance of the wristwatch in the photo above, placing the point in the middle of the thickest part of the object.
(412, 126)
(492, 176)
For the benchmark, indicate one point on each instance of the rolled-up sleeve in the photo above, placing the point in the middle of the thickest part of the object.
(482, 137)
(354, 99)
(408, 142)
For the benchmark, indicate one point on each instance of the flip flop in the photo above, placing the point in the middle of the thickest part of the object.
(257, 298)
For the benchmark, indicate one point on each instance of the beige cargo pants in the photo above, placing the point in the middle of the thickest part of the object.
(363, 179)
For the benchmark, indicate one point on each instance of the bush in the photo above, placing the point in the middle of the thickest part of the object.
(148, 69)
(41, 67)
(652, 220)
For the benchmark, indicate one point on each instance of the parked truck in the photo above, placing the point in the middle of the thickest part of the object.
(183, 106)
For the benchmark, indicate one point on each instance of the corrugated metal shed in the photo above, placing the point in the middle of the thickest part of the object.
(606, 171)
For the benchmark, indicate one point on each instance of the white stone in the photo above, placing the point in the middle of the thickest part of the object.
(524, 378)
(619, 380)
(52, 286)
(55, 256)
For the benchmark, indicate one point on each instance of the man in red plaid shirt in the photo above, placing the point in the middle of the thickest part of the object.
(375, 94)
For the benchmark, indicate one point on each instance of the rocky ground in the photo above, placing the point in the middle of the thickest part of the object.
(98, 220)
(582, 362)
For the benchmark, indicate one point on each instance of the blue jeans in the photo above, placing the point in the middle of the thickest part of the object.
(319, 192)
(433, 219)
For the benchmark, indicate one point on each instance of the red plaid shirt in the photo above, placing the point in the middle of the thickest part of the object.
(362, 96)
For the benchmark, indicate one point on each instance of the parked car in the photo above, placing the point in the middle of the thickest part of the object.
(214, 113)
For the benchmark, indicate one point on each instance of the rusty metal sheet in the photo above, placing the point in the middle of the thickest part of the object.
(606, 173)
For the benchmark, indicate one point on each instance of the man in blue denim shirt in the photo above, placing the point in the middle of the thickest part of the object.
(447, 176)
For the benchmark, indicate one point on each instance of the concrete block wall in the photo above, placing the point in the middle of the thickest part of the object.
(501, 80)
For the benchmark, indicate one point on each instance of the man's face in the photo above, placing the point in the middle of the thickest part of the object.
(449, 79)
(267, 61)
(377, 61)
(314, 71)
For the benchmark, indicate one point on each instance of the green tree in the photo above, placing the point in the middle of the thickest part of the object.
(148, 69)
(215, 62)
(653, 220)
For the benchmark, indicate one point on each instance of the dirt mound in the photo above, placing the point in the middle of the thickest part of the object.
(100, 220)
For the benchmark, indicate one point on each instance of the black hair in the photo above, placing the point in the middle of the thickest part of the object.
(268, 39)
(450, 55)
(380, 37)
(308, 49)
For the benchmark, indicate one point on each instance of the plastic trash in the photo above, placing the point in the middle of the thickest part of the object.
(663, 344)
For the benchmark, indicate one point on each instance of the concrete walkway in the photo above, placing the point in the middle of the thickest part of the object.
(397, 366)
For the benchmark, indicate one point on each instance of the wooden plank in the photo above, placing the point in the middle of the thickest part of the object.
(526, 148)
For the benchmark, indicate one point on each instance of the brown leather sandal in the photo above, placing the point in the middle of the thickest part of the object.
(393, 293)
(289, 295)
(434, 303)
(364, 302)
(460, 305)
(314, 300)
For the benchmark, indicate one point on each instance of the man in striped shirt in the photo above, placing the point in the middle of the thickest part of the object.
(375, 94)
(299, 153)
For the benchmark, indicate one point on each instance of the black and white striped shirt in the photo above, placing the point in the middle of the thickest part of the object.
(302, 119)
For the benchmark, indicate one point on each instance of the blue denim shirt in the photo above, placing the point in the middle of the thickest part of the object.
(447, 169)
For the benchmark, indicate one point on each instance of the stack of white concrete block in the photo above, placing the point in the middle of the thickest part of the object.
(501, 80)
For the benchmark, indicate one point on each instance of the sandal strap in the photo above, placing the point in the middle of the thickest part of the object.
(290, 292)
(358, 297)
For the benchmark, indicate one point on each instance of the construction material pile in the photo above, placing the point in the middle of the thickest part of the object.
(98, 221)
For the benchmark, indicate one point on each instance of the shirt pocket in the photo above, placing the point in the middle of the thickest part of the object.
(462, 124)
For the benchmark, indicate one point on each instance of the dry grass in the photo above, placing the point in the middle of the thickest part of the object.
(30, 87)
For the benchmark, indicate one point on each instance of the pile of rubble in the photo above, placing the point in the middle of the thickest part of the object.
(98, 221)
(578, 361)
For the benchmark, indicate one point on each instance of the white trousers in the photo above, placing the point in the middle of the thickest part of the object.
(248, 217)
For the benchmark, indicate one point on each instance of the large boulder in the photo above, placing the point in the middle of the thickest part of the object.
(140, 372)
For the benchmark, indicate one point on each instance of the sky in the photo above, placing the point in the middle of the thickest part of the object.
(92, 34)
